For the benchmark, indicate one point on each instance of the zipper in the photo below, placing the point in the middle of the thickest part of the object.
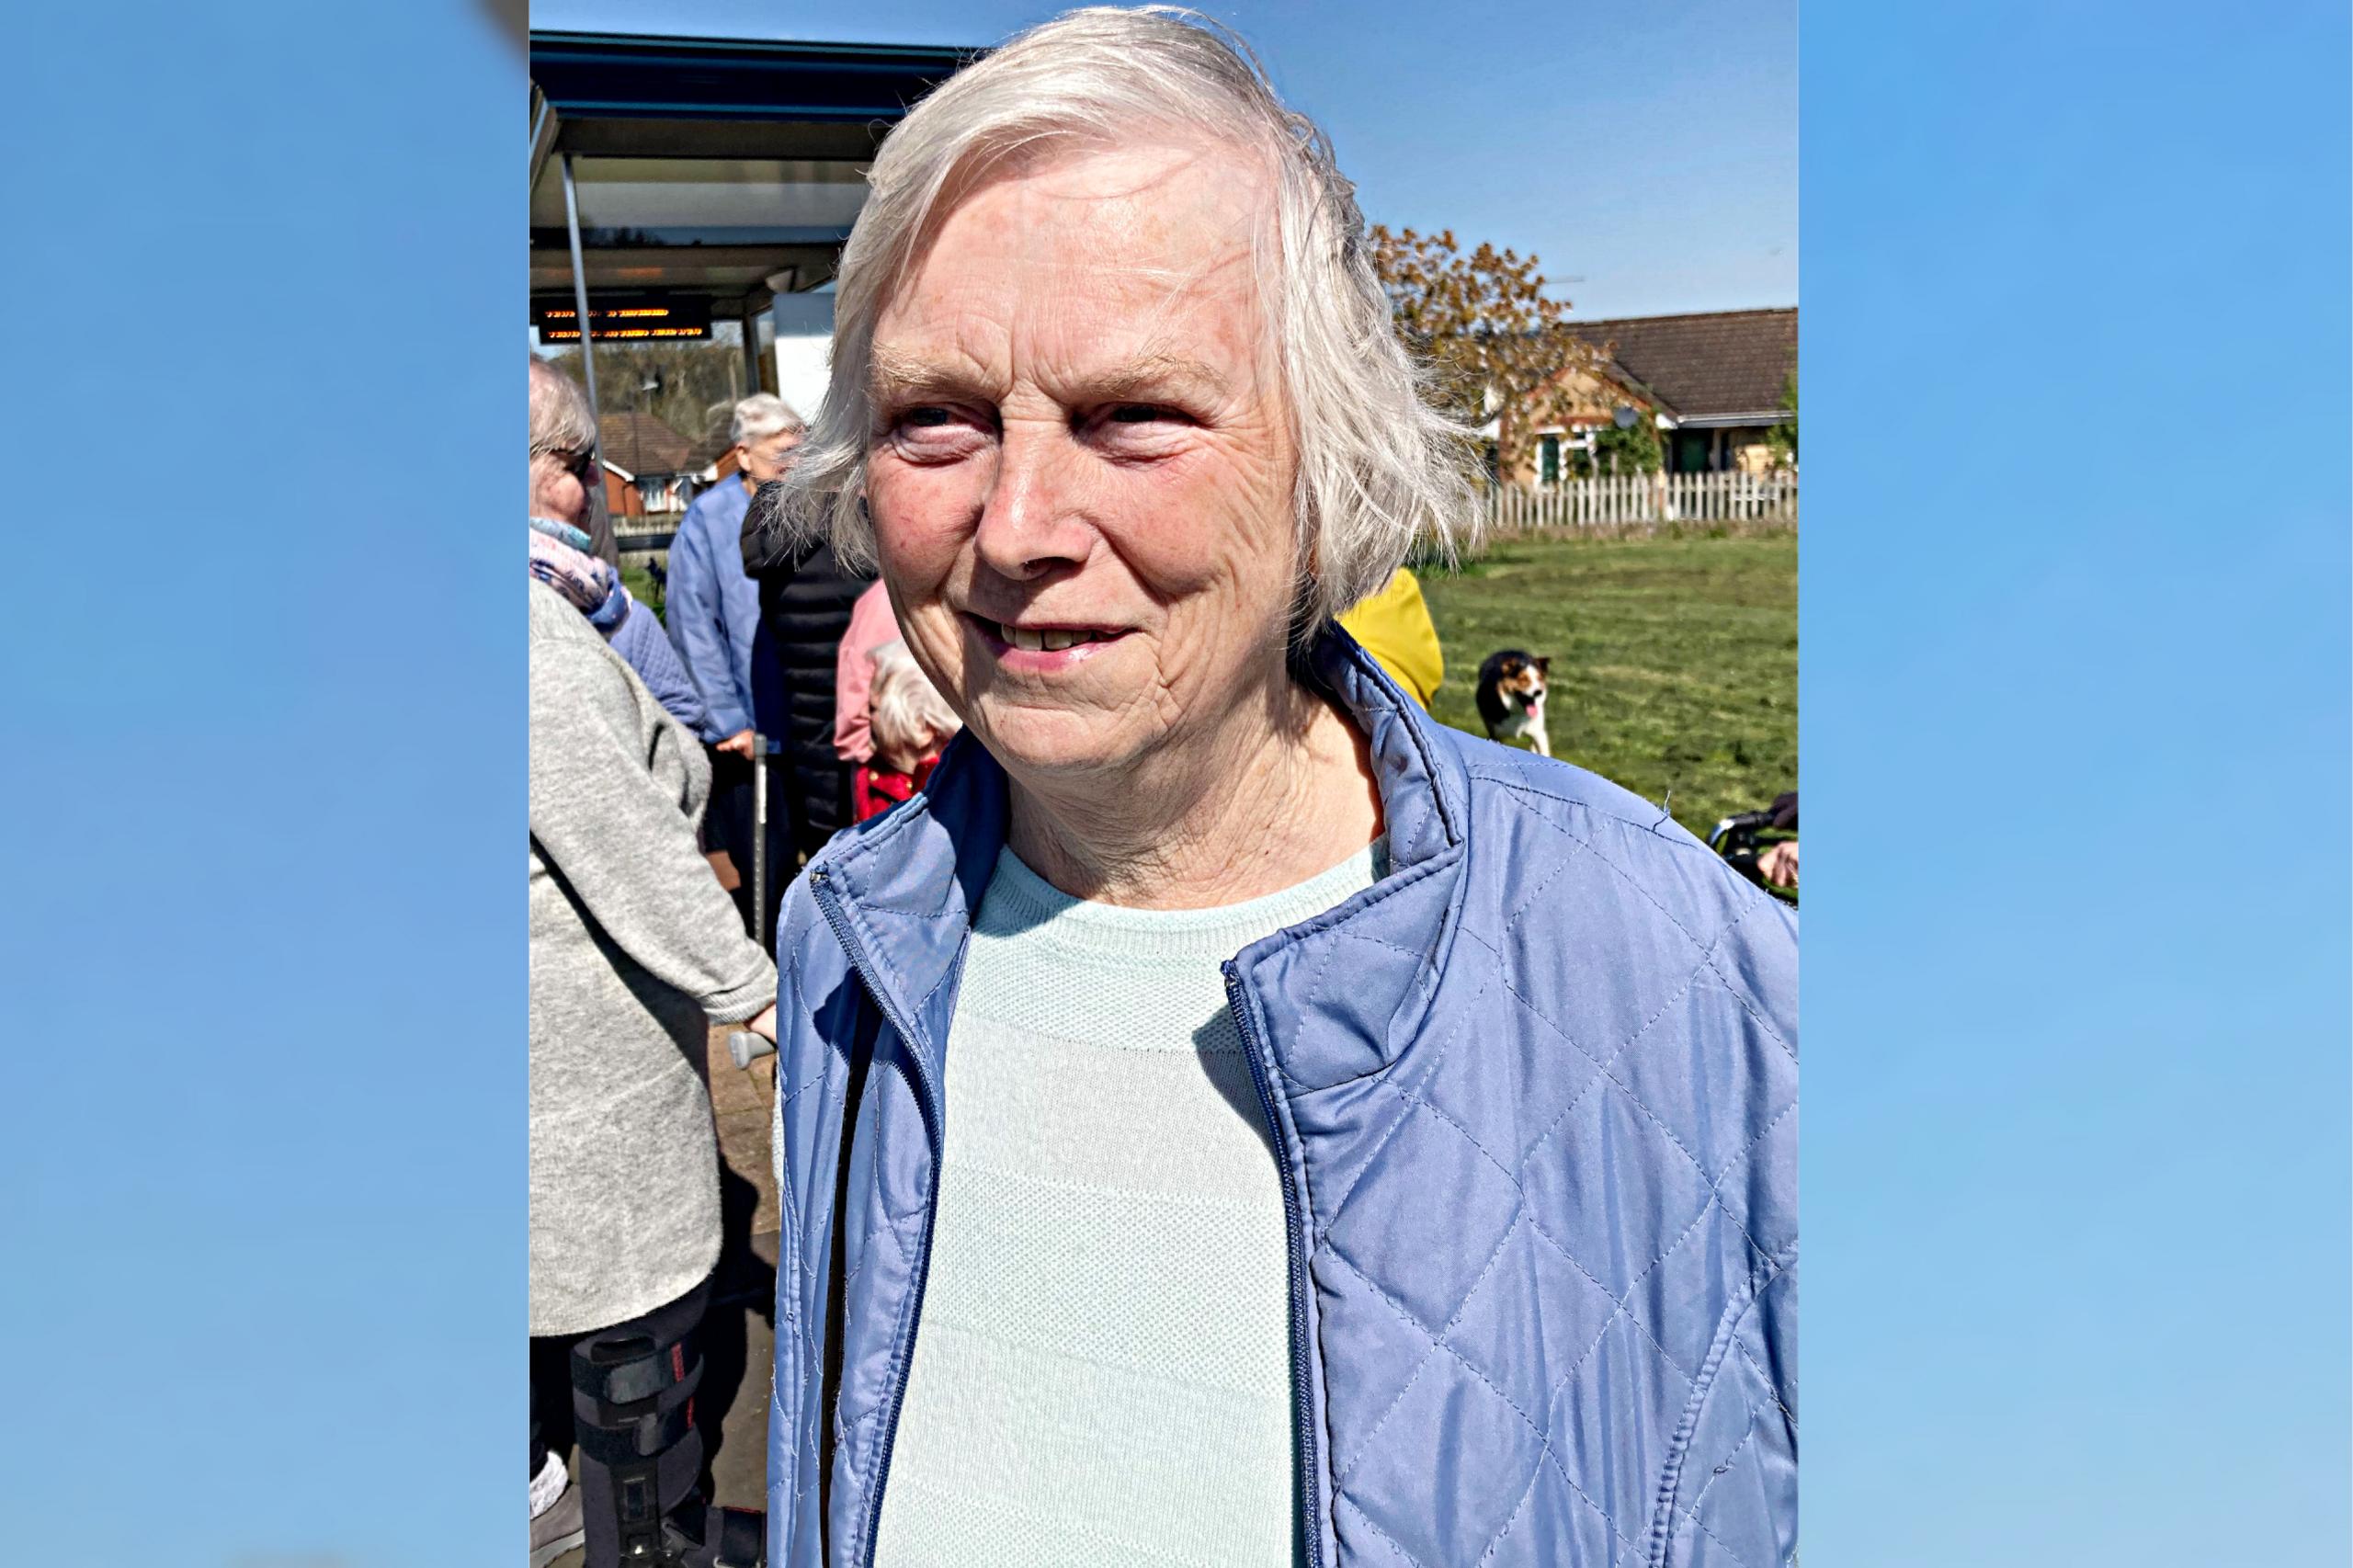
(1295, 1230)
(829, 905)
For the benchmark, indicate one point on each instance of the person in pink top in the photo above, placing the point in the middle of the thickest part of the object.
(871, 624)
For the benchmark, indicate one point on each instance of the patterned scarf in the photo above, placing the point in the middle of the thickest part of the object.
(561, 559)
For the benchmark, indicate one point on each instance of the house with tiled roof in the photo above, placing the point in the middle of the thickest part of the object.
(1715, 383)
(649, 467)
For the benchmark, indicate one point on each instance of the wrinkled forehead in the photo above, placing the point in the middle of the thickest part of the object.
(1142, 233)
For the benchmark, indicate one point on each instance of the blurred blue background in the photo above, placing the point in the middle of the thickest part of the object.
(262, 955)
(2075, 715)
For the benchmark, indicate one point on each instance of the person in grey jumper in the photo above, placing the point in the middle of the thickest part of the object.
(636, 950)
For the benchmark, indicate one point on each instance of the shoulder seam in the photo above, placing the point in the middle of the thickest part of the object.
(1521, 786)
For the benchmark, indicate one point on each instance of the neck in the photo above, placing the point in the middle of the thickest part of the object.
(1241, 815)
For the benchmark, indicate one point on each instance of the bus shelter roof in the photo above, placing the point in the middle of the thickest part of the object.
(730, 169)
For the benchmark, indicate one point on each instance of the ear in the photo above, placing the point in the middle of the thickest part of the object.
(1545, 663)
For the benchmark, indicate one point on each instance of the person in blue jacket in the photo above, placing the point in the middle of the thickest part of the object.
(712, 610)
(639, 640)
(1225, 1115)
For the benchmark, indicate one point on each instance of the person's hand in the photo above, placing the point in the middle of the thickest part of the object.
(765, 1025)
(738, 744)
(1778, 864)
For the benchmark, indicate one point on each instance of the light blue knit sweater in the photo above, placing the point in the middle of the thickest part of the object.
(1101, 1374)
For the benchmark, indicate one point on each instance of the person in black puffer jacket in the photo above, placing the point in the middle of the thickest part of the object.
(805, 599)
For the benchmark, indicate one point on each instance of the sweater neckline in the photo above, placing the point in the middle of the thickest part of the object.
(1021, 902)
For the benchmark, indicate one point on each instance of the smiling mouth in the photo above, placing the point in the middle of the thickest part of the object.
(1043, 639)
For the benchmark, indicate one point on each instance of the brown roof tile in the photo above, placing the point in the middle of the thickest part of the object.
(643, 445)
(1718, 362)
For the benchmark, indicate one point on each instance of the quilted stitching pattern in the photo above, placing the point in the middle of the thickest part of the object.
(1724, 1472)
(1598, 1156)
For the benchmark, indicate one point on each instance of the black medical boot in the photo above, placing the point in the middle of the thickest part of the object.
(641, 1458)
(720, 1538)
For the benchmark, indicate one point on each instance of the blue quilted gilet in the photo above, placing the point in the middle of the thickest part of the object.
(1534, 1100)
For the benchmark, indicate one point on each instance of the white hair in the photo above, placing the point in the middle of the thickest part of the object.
(905, 710)
(1379, 467)
(760, 415)
(559, 418)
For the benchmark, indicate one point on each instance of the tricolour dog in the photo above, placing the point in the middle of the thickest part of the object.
(1511, 698)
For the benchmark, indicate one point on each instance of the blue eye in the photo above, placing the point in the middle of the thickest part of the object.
(927, 417)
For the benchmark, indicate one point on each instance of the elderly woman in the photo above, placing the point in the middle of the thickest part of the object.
(1228, 1117)
(635, 952)
(564, 470)
(713, 612)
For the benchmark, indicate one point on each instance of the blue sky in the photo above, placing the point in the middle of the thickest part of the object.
(262, 956)
(2075, 719)
(1648, 153)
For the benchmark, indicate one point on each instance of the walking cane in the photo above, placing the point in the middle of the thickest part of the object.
(743, 1045)
(760, 744)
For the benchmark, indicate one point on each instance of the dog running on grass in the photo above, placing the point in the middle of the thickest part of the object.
(1511, 696)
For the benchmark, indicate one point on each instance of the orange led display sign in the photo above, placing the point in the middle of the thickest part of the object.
(616, 321)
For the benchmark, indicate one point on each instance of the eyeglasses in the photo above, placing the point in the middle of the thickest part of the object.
(579, 465)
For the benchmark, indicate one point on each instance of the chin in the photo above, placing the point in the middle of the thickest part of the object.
(1064, 741)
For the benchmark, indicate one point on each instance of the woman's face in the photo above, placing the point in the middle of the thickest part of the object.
(559, 488)
(1081, 474)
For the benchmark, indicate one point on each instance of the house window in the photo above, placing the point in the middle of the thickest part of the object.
(1548, 460)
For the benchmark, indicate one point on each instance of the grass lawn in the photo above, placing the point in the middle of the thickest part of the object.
(1675, 659)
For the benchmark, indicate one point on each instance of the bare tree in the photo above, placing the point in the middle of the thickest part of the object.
(692, 388)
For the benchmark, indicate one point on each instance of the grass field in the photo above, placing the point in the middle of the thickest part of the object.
(1675, 659)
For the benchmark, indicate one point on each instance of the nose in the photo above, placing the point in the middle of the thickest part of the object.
(1032, 520)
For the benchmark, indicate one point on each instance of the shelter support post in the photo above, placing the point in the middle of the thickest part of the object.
(580, 299)
(752, 350)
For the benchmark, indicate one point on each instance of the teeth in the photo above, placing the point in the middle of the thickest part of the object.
(1044, 641)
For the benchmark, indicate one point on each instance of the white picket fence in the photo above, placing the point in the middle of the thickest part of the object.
(1642, 500)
